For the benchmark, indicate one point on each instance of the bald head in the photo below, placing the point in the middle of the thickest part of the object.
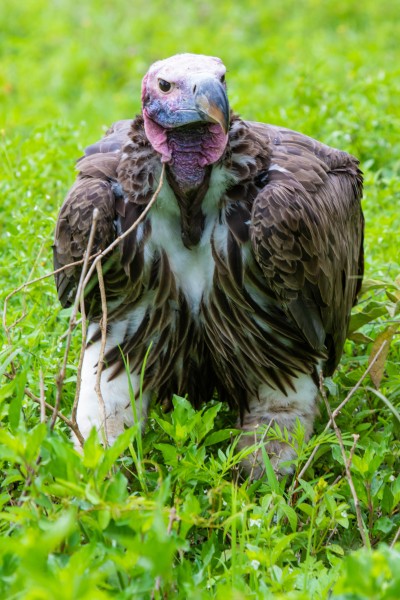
(177, 69)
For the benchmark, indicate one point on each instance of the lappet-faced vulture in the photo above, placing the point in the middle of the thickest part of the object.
(241, 277)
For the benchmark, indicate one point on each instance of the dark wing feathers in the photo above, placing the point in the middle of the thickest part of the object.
(115, 137)
(94, 188)
(306, 231)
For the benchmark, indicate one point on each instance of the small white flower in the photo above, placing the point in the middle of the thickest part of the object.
(392, 478)
(255, 523)
(255, 564)
(344, 514)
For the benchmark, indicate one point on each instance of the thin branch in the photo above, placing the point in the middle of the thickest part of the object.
(172, 518)
(358, 384)
(31, 282)
(255, 456)
(31, 475)
(42, 398)
(50, 409)
(347, 462)
(356, 437)
(339, 408)
(396, 537)
(100, 363)
(72, 321)
(78, 322)
(80, 362)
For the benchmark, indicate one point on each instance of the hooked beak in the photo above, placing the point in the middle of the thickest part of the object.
(212, 103)
(207, 104)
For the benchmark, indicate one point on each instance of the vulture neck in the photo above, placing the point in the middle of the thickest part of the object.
(190, 198)
(189, 156)
(188, 174)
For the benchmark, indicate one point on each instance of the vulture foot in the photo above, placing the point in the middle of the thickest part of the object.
(273, 418)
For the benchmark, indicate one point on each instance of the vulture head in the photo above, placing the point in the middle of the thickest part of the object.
(186, 111)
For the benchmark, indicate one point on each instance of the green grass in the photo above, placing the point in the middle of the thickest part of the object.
(160, 513)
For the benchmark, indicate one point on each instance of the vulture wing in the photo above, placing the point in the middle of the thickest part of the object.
(306, 231)
(96, 187)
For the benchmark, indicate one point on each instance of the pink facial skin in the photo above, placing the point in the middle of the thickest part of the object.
(157, 136)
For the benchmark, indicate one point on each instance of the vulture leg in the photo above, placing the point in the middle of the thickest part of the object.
(117, 392)
(271, 408)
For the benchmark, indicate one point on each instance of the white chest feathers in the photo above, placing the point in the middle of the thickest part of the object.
(193, 268)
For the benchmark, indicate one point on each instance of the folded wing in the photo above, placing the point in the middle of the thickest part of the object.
(307, 231)
(96, 187)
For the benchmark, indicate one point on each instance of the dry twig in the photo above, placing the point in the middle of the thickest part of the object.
(339, 408)
(27, 284)
(347, 463)
(356, 437)
(42, 398)
(100, 363)
(78, 322)
(72, 321)
(396, 537)
(50, 409)
(80, 362)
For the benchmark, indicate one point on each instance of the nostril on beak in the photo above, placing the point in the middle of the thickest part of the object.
(194, 89)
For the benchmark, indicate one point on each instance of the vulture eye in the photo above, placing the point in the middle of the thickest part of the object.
(222, 79)
(165, 86)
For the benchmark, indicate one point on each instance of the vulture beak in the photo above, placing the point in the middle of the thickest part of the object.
(208, 103)
(212, 103)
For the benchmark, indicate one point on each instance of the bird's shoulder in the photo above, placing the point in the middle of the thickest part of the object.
(304, 157)
(289, 172)
(96, 187)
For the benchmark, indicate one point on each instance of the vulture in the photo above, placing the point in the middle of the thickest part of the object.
(240, 278)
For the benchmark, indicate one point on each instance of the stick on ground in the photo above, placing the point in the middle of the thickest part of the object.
(347, 462)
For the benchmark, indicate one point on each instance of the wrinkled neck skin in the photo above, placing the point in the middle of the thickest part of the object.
(188, 150)
(192, 150)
